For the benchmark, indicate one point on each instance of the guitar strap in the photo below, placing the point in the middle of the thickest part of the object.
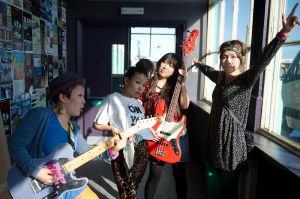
(71, 135)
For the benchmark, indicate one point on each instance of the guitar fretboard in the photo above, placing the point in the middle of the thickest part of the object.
(173, 104)
(100, 148)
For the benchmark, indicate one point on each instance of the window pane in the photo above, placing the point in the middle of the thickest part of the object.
(294, 35)
(160, 45)
(228, 19)
(152, 45)
(209, 85)
(163, 31)
(140, 47)
(118, 59)
(243, 20)
(216, 27)
(291, 95)
(140, 30)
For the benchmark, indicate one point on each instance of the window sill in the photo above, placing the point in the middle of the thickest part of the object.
(203, 105)
(281, 155)
(278, 153)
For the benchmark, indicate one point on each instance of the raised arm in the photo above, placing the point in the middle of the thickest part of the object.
(271, 49)
(208, 71)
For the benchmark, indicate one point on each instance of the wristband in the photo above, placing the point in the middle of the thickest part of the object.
(282, 35)
(113, 155)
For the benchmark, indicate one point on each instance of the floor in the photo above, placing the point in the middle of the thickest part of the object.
(102, 182)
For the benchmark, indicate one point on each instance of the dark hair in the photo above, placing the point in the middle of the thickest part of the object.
(167, 91)
(146, 65)
(238, 47)
(133, 70)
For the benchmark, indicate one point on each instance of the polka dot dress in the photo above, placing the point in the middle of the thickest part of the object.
(226, 144)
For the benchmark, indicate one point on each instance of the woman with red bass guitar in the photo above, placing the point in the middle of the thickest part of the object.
(165, 94)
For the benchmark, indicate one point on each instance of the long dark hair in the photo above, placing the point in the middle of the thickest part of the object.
(167, 91)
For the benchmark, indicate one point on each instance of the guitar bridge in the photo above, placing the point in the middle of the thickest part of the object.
(37, 186)
(160, 152)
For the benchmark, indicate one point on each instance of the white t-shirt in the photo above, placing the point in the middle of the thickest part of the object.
(121, 112)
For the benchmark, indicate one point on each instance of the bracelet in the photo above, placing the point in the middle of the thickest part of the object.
(282, 35)
(113, 155)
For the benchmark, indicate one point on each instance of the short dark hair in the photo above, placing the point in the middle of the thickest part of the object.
(146, 65)
(133, 70)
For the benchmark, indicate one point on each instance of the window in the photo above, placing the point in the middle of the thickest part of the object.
(151, 43)
(282, 82)
(227, 19)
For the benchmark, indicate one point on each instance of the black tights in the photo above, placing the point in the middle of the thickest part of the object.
(155, 174)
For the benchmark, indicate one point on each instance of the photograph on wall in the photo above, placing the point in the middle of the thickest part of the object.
(18, 72)
(54, 41)
(55, 72)
(5, 27)
(61, 14)
(5, 74)
(5, 67)
(5, 113)
(44, 66)
(43, 33)
(28, 62)
(48, 39)
(27, 6)
(38, 98)
(18, 3)
(36, 35)
(27, 26)
(17, 29)
(49, 70)
(37, 71)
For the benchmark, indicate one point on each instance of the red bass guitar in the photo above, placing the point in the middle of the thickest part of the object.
(167, 147)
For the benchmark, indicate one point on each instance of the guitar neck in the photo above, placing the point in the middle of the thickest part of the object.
(97, 150)
(173, 104)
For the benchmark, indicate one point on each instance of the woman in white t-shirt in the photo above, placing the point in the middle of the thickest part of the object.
(117, 113)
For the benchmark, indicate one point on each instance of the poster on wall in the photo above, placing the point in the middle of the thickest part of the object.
(54, 41)
(17, 29)
(43, 33)
(38, 97)
(37, 71)
(27, 25)
(5, 74)
(44, 74)
(55, 67)
(28, 64)
(5, 27)
(5, 113)
(36, 35)
(48, 39)
(18, 73)
(49, 70)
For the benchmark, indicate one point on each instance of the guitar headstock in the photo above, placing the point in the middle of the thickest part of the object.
(189, 44)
